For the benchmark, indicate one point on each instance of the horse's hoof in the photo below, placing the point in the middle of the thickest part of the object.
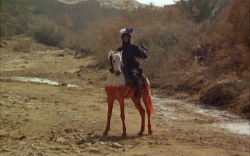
(124, 135)
(150, 132)
(140, 134)
(105, 134)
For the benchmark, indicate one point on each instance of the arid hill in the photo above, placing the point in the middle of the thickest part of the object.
(81, 11)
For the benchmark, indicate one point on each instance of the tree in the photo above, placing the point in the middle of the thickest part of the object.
(200, 10)
(14, 16)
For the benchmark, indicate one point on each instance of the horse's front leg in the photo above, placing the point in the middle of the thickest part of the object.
(124, 133)
(110, 107)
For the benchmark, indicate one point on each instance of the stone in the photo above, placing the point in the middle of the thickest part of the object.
(94, 150)
(116, 145)
(87, 144)
(3, 133)
(96, 144)
(129, 146)
(21, 143)
(61, 139)
(82, 146)
(76, 150)
(37, 146)
(79, 130)
(95, 140)
(102, 143)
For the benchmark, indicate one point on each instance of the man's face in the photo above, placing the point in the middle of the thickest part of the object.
(125, 38)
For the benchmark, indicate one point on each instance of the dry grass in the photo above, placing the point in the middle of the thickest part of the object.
(23, 46)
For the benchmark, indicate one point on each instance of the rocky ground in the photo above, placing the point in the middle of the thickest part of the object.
(69, 117)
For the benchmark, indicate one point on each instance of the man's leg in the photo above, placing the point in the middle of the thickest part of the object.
(134, 75)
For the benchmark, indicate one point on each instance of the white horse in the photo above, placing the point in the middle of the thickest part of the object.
(116, 89)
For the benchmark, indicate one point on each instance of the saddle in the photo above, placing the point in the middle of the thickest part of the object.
(129, 81)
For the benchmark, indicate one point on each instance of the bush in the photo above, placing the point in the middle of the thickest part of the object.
(48, 32)
(23, 46)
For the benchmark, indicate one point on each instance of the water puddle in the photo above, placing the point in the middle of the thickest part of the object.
(37, 80)
(240, 128)
(169, 109)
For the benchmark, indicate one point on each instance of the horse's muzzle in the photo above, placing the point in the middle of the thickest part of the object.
(118, 73)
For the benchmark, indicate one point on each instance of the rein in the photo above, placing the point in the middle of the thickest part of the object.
(111, 68)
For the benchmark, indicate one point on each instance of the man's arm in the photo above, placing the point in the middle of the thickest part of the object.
(139, 53)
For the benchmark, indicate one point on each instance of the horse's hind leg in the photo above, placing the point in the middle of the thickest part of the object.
(145, 101)
(110, 107)
(141, 110)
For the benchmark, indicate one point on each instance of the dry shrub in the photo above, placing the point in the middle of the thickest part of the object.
(232, 39)
(23, 46)
(64, 21)
(109, 40)
(48, 32)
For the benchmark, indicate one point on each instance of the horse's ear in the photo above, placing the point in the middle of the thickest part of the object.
(111, 53)
(121, 52)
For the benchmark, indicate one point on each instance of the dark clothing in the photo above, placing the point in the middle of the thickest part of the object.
(129, 54)
(134, 75)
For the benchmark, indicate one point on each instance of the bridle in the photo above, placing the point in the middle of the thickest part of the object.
(111, 67)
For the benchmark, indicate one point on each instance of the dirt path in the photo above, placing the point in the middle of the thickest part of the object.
(43, 119)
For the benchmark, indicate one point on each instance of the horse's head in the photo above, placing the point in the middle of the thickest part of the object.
(115, 62)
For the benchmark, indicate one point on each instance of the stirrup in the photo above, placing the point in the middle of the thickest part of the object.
(137, 94)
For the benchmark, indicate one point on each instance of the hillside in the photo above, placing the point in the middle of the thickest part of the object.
(105, 3)
(81, 11)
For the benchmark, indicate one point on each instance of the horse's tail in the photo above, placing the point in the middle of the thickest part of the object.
(150, 104)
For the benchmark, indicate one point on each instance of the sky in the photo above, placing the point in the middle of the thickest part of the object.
(157, 2)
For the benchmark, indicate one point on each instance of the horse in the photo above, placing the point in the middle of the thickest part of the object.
(116, 89)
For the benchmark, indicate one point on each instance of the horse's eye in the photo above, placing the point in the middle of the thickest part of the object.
(113, 61)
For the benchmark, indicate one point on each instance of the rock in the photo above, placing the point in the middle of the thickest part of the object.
(95, 144)
(37, 146)
(116, 145)
(82, 146)
(61, 139)
(8, 105)
(21, 143)
(94, 150)
(60, 55)
(52, 147)
(87, 144)
(95, 140)
(19, 122)
(102, 143)
(3, 133)
(129, 146)
(76, 150)
(81, 141)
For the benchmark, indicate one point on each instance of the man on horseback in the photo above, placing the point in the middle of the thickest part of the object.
(130, 52)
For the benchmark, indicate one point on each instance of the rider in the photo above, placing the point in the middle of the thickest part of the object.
(129, 53)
